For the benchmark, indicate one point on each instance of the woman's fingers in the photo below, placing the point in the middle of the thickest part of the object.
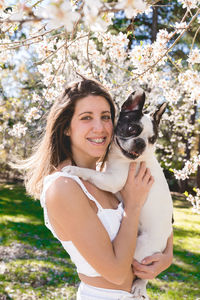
(151, 181)
(141, 171)
(147, 175)
(144, 174)
(150, 259)
(132, 172)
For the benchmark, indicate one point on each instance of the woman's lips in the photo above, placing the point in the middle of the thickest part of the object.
(97, 141)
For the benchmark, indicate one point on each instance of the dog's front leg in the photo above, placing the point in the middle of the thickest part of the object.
(103, 180)
(143, 249)
(139, 289)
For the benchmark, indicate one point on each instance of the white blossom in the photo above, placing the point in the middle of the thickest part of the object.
(189, 3)
(59, 15)
(189, 168)
(18, 130)
(51, 95)
(45, 69)
(180, 26)
(195, 201)
(194, 56)
(91, 8)
(100, 23)
(132, 7)
(32, 114)
(36, 98)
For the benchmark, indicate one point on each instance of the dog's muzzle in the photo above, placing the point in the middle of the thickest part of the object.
(139, 146)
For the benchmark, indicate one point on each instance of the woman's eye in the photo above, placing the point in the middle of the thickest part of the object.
(86, 118)
(106, 117)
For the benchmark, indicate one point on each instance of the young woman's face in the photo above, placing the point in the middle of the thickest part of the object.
(90, 130)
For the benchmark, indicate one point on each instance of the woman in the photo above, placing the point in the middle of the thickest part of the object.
(93, 226)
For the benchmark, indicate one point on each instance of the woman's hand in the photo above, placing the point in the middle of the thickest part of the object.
(153, 265)
(137, 186)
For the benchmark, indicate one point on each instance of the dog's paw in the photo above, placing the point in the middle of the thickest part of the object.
(139, 289)
(73, 170)
(69, 170)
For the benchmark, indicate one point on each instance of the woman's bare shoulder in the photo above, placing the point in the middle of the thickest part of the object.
(65, 192)
(66, 202)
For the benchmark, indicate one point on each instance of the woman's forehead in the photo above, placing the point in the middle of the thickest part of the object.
(92, 103)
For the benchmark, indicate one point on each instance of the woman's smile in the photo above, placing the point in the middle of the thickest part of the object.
(97, 141)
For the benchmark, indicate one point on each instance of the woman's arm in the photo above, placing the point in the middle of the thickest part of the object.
(73, 219)
(153, 265)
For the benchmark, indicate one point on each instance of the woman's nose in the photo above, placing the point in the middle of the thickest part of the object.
(98, 125)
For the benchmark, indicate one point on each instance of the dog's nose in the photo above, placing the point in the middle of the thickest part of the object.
(140, 144)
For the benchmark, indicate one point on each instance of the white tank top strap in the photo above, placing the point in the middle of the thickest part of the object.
(77, 179)
(48, 180)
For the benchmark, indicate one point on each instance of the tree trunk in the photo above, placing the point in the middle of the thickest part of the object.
(154, 28)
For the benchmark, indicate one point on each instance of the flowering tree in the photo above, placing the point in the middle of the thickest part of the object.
(45, 44)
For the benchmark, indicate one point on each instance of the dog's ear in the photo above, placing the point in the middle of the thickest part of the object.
(159, 112)
(135, 101)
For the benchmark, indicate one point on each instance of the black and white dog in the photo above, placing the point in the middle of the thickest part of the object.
(134, 139)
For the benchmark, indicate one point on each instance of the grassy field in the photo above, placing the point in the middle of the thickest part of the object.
(33, 264)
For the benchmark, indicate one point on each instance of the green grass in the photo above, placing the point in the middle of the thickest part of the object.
(33, 264)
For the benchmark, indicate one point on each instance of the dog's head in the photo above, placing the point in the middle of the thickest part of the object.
(136, 132)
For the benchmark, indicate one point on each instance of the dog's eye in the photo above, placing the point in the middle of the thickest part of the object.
(133, 129)
(152, 139)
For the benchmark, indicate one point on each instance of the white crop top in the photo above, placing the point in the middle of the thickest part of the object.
(110, 218)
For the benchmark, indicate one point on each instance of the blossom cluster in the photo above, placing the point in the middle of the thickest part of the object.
(60, 13)
(189, 168)
(194, 56)
(191, 4)
(195, 201)
(190, 82)
(18, 130)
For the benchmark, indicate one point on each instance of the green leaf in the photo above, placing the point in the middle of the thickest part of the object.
(171, 170)
(178, 61)
(129, 33)
(114, 81)
(16, 28)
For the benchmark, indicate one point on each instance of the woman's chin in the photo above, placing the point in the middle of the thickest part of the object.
(97, 154)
